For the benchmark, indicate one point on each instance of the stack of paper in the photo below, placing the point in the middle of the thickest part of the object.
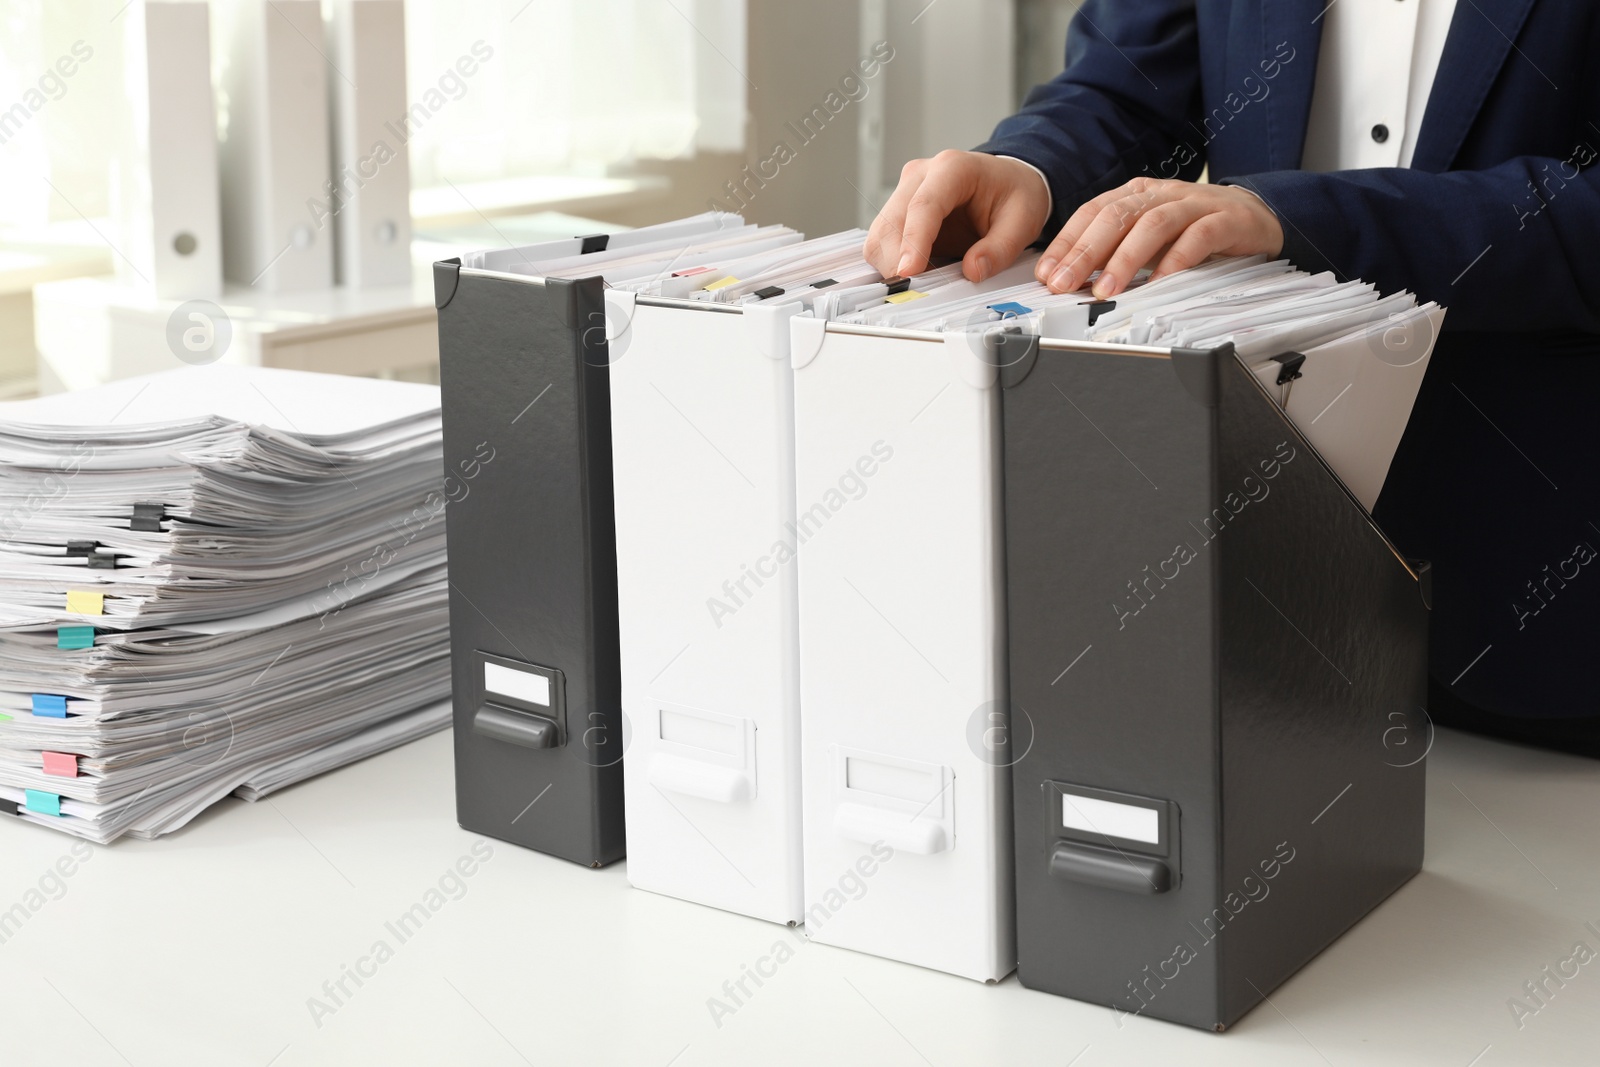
(214, 580)
(1343, 361)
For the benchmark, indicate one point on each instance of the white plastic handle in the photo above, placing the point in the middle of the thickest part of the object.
(896, 829)
(693, 778)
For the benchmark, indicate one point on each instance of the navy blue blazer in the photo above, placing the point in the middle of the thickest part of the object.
(1498, 219)
(1500, 198)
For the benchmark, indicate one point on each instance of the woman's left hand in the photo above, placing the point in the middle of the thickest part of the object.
(1174, 224)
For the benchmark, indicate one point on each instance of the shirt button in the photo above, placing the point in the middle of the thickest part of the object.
(1380, 133)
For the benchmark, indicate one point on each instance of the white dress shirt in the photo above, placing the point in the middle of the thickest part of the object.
(1375, 70)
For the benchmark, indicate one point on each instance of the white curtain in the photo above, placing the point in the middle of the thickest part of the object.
(573, 86)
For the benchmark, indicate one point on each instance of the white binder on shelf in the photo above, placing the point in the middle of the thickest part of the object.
(902, 646)
(164, 170)
(372, 171)
(703, 467)
(274, 149)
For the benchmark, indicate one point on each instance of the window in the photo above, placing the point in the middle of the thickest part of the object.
(574, 86)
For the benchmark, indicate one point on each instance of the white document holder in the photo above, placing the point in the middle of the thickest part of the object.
(276, 216)
(164, 172)
(703, 466)
(902, 649)
(372, 169)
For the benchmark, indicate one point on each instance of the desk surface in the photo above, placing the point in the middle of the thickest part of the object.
(208, 948)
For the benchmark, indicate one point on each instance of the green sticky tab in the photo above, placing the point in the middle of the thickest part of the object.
(4, 717)
(75, 637)
(43, 803)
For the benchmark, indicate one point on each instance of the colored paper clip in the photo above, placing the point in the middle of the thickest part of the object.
(1011, 309)
(721, 283)
(75, 637)
(43, 803)
(60, 764)
(85, 602)
(49, 706)
(904, 297)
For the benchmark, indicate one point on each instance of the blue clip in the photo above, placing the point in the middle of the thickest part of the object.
(49, 707)
(37, 800)
(1011, 309)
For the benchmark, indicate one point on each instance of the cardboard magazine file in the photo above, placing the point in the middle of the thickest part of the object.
(902, 643)
(532, 545)
(1217, 667)
(702, 404)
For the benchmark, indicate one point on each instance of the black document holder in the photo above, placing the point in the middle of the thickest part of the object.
(1263, 703)
(533, 574)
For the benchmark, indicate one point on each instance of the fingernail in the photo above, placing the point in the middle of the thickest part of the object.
(904, 269)
(1046, 267)
(1104, 286)
(1062, 280)
(980, 267)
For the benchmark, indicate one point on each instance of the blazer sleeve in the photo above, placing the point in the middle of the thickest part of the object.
(1130, 87)
(1456, 237)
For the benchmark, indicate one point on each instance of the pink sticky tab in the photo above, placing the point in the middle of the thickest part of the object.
(690, 273)
(61, 764)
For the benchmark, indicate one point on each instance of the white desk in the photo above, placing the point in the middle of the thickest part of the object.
(204, 948)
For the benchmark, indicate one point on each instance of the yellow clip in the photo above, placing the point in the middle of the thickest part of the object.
(905, 297)
(83, 602)
(722, 284)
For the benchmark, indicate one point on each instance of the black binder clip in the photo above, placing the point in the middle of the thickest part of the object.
(147, 516)
(82, 548)
(1100, 307)
(897, 285)
(594, 242)
(102, 560)
(1289, 364)
(824, 283)
(768, 293)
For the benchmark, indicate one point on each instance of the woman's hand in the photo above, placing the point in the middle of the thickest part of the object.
(1174, 224)
(984, 208)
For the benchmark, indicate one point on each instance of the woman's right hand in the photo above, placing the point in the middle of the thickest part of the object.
(984, 208)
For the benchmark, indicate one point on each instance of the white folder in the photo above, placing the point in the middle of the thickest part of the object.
(902, 647)
(164, 170)
(372, 169)
(277, 235)
(703, 461)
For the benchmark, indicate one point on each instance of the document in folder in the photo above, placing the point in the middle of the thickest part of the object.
(1351, 397)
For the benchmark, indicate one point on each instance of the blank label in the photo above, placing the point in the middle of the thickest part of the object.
(902, 783)
(1110, 818)
(518, 685)
(698, 732)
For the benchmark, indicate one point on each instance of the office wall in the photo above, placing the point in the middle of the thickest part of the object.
(1041, 40)
(950, 79)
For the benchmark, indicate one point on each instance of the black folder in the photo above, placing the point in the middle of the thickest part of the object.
(1217, 667)
(533, 573)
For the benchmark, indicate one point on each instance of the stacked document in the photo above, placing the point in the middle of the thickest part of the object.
(214, 580)
(1343, 361)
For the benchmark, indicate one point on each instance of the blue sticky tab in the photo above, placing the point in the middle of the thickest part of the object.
(1011, 308)
(51, 707)
(42, 802)
(75, 637)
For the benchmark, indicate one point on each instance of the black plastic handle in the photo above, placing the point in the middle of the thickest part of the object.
(1109, 868)
(516, 727)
